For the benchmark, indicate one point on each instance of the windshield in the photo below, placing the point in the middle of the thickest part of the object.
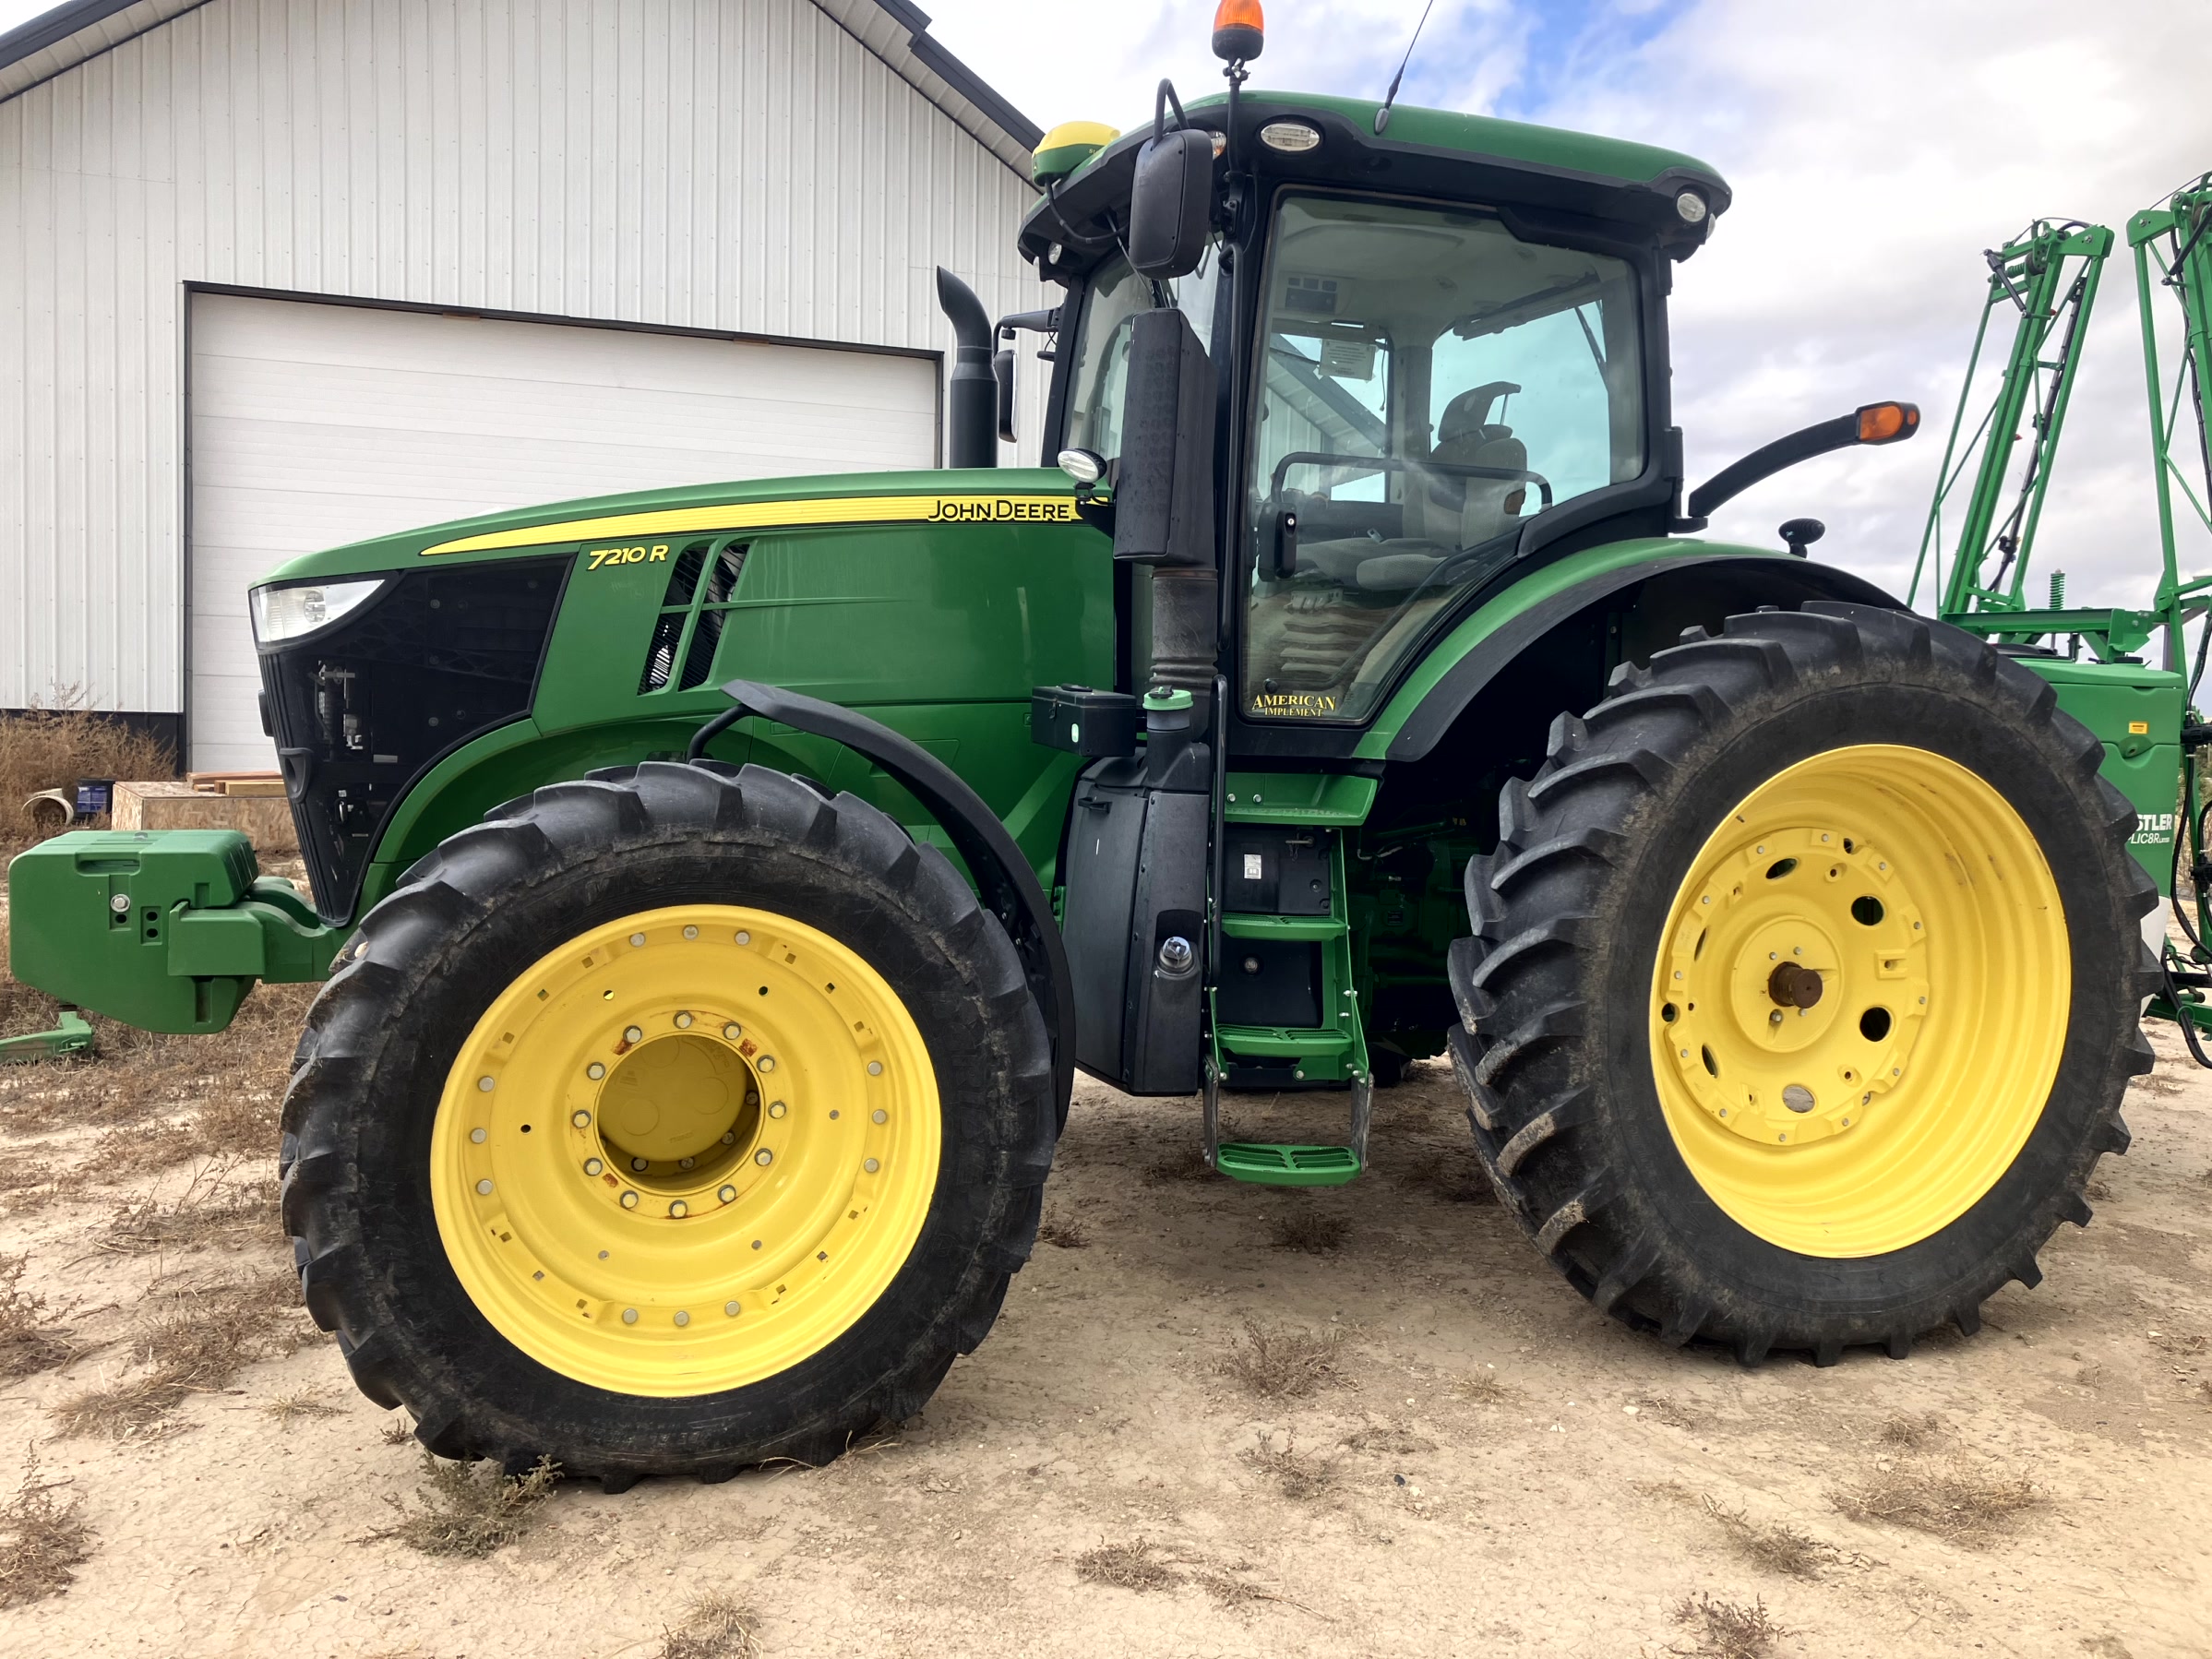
(1430, 381)
(1101, 366)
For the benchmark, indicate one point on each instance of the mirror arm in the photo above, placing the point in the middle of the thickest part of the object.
(1819, 438)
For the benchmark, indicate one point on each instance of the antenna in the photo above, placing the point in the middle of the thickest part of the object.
(1391, 96)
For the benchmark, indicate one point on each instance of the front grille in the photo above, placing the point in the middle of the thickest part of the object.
(364, 709)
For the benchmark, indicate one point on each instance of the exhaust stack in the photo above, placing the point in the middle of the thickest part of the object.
(971, 400)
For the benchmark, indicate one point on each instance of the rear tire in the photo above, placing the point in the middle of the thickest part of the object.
(1664, 1183)
(434, 1248)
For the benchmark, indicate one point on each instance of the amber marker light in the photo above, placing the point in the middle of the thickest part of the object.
(1239, 31)
(1886, 423)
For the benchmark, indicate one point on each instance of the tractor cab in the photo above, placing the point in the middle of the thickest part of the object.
(1436, 348)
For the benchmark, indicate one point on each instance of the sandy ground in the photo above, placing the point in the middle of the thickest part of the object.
(1493, 1469)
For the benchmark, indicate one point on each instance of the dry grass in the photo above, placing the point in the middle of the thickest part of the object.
(52, 747)
(1282, 1364)
(42, 1538)
(1728, 1629)
(1297, 1477)
(2181, 1344)
(1482, 1389)
(194, 1342)
(1065, 1236)
(1387, 1439)
(215, 1210)
(288, 1409)
(1131, 1566)
(397, 1431)
(1911, 1431)
(1316, 1232)
(31, 1338)
(1777, 1545)
(1186, 1163)
(470, 1508)
(1946, 1499)
(715, 1626)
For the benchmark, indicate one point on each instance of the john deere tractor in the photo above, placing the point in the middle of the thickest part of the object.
(719, 888)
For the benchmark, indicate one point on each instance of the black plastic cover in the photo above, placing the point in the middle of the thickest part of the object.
(1277, 870)
(1164, 482)
(1081, 720)
(365, 706)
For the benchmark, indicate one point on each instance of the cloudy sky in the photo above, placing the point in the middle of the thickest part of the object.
(1875, 149)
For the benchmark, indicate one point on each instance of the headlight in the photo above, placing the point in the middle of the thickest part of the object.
(287, 613)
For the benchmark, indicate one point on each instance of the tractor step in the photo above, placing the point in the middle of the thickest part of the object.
(1266, 1164)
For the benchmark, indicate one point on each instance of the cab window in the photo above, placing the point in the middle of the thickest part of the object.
(1429, 382)
(1101, 366)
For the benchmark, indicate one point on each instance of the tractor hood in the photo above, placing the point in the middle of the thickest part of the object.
(614, 524)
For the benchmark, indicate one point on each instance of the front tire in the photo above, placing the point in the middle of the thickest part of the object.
(674, 1121)
(1844, 805)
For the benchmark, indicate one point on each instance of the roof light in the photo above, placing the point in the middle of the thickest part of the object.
(1290, 137)
(1239, 31)
(1690, 206)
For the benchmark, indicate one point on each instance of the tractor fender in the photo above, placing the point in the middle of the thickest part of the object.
(1008, 885)
(1778, 580)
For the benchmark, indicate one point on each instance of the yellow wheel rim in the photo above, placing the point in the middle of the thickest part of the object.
(1860, 1001)
(685, 1151)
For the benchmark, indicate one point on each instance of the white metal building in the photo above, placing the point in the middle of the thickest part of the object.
(278, 274)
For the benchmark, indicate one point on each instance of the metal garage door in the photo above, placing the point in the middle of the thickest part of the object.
(316, 425)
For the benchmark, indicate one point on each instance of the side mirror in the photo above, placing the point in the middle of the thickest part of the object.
(1002, 369)
(1171, 204)
(1868, 423)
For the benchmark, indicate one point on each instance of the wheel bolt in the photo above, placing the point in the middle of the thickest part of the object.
(636, 939)
(595, 1071)
(683, 1022)
(583, 1120)
(871, 1167)
(629, 1316)
(728, 1195)
(732, 1032)
(477, 1136)
(686, 1162)
(730, 1308)
(729, 1137)
(682, 1318)
(775, 1109)
(629, 1200)
(764, 1157)
(641, 1164)
(633, 1034)
(484, 1187)
(880, 1116)
(874, 1069)
(691, 933)
(679, 1210)
(484, 1083)
(594, 1167)
(744, 937)
(767, 1062)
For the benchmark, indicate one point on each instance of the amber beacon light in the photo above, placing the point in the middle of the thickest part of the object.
(1239, 31)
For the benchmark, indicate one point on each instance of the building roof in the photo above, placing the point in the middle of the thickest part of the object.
(896, 30)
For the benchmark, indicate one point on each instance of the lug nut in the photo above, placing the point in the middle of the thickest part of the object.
(764, 1157)
(641, 1164)
(636, 939)
(592, 1167)
(874, 1069)
(682, 1318)
(728, 1195)
(484, 1083)
(595, 1071)
(744, 937)
(629, 1200)
(583, 1120)
(477, 1136)
(679, 1210)
(683, 1022)
(729, 1137)
(730, 1308)
(776, 1108)
(629, 1316)
(691, 933)
(630, 1034)
(767, 1062)
(871, 1167)
(686, 1162)
(732, 1032)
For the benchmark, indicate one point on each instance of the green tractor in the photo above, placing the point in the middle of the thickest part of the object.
(719, 888)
